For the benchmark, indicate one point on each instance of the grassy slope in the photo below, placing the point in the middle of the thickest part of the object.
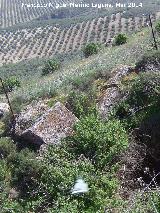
(79, 71)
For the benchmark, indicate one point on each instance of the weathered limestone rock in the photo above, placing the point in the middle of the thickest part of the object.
(29, 114)
(119, 73)
(112, 95)
(51, 127)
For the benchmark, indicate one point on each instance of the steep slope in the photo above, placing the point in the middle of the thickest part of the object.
(106, 154)
(75, 71)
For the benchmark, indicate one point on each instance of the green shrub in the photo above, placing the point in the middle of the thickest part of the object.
(149, 61)
(4, 172)
(6, 147)
(61, 170)
(45, 184)
(90, 49)
(7, 204)
(98, 141)
(143, 99)
(10, 84)
(50, 67)
(21, 171)
(144, 90)
(25, 169)
(120, 39)
(80, 103)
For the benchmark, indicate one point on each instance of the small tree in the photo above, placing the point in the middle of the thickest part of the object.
(10, 84)
(50, 67)
(120, 39)
(90, 49)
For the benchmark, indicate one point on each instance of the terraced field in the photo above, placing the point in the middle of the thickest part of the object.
(50, 40)
(16, 11)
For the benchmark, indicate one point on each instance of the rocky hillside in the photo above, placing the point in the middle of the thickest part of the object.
(128, 105)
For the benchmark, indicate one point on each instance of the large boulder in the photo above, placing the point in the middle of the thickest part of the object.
(54, 125)
(111, 93)
(27, 117)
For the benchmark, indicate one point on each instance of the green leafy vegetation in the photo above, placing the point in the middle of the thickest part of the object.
(61, 171)
(90, 49)
(81, 104)
(45, 185)
(50, 67)
(6, 147)
(10, 84)
(120, 39)
(98, 141)
(143, 99)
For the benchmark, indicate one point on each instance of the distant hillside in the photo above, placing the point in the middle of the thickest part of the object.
(15, 12)
(48, 41)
